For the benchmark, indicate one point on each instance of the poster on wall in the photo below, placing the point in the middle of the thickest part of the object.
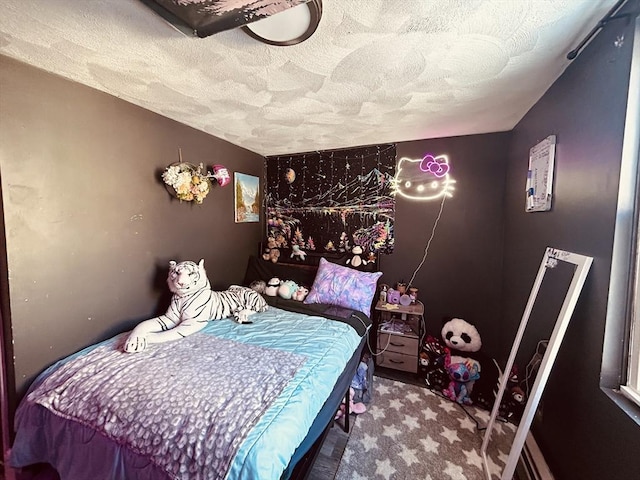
(330, 201)
(247, 198)
(540, 175)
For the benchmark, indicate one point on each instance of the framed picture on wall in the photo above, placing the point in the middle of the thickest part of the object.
(247, 198)
(540, 175)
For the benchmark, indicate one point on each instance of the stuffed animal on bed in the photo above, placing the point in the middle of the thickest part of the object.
(193, 305)
(241, 315)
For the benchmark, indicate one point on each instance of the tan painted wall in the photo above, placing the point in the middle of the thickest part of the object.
(89, 227)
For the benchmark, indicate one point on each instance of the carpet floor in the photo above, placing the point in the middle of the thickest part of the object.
(410, 432)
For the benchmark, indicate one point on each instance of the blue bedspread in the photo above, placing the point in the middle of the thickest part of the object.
(266, 448)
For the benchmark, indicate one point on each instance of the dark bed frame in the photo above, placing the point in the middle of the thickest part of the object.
(304, 457)
(303, 273)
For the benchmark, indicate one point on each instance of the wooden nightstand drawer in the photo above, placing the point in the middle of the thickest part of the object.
(398, 344)
(398, 361)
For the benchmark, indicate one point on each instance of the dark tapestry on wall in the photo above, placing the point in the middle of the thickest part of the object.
(333, 200)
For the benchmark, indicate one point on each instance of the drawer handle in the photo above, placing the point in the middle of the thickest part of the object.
(397, 344)
(391, 360)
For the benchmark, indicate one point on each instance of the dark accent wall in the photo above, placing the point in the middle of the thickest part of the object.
(88, 224)
(461, 275)
(582, 433)
(89, 229)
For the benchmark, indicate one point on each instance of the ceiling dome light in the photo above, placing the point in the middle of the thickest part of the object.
(289, 27)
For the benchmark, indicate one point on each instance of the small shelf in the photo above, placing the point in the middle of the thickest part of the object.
(413, 309)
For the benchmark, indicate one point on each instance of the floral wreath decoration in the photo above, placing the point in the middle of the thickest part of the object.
(189, 183)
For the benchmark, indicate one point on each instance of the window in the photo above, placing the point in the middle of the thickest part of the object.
(620, 375)
(630, 386)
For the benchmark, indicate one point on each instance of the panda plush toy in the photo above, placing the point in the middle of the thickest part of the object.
(464, 342)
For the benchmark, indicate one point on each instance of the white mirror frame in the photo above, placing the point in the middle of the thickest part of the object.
(549, 260)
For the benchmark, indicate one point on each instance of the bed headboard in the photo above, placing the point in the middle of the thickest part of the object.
(301, 272)
(304, 273)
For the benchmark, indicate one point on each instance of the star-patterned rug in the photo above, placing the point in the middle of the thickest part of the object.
(410, 432)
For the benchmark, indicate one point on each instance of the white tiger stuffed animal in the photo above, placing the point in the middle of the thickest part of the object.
(193, 304)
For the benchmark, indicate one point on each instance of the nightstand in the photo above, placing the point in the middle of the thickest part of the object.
(398, 330)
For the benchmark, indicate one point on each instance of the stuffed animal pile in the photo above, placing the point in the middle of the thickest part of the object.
(464, 342)
(514, 398)
(274, 245)
(271, 251)
(287, 289)
(455, 365)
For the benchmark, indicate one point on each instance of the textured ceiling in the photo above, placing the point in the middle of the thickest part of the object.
(375, 71)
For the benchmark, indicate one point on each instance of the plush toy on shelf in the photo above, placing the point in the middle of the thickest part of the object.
(300, 294)
(281, 242)
(271, 250)
(297, 253)
(356, 260)
(274, 255)
(287, 289)
(272, 287)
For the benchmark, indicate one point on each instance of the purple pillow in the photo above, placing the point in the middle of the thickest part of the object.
(344, 287)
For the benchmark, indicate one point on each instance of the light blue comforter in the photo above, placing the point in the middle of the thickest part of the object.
(308, 355)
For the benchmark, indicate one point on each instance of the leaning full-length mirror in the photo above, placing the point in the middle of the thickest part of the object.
(546, 317)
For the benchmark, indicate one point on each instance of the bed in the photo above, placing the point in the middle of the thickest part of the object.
(233, 401)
